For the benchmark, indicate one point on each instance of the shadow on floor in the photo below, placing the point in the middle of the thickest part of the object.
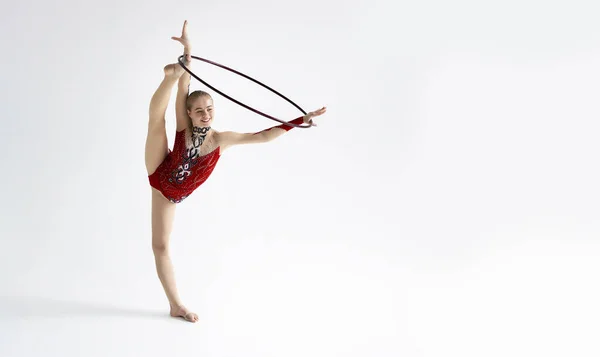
(43, 307)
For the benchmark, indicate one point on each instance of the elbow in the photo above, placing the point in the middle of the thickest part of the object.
(273, 134)
(262, 137)
(265, 137)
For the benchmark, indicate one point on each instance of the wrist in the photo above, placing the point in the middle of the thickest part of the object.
(297, 121)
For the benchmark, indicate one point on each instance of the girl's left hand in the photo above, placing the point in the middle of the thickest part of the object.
(308, 118)
(185, 41)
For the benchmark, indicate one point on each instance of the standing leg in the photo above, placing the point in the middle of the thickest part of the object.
(163, 214)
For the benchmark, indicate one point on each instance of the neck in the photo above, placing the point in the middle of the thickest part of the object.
(200, 134)
(200, 130)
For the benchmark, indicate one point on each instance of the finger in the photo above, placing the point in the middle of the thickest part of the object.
(317, 113)
(184, 26)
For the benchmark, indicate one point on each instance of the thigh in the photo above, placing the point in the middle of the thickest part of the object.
(163, 216)
(157, 146)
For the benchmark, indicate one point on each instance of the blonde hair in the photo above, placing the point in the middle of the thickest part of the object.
(195, 95)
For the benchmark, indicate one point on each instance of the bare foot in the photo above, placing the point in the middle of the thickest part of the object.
(173, 70)
(181, 311)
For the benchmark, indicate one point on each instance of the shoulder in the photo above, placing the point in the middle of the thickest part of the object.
(224, 137)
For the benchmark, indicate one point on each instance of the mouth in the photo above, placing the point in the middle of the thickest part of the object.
(205, 121)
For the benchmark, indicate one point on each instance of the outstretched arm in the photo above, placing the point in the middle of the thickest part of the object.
(183, 86)
(230, 138)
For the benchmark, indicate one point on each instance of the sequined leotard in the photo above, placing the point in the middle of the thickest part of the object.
(183, 170)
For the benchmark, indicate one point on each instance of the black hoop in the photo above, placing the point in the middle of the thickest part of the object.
(180, 60)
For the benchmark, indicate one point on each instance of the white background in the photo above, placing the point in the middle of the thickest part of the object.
(446, 205)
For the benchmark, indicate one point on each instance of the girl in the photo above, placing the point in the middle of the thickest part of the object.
(175, 174)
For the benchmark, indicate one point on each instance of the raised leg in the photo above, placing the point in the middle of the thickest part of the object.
(156, 140)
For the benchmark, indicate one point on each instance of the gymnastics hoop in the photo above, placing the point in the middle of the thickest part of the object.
(180, 60)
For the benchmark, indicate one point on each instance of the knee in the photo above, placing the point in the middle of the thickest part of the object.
(160, 248)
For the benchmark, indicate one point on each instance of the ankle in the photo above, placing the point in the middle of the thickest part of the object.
(171, 78)
(178, 305)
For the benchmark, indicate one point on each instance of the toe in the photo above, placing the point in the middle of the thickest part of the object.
(191, 317)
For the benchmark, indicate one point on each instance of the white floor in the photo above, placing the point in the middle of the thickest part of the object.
(521, 298)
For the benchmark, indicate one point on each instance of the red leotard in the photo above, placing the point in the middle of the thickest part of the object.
(183, 170)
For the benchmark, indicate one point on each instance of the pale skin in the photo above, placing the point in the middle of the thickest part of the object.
(200, 115)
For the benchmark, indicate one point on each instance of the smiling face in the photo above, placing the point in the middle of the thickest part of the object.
(201, 109)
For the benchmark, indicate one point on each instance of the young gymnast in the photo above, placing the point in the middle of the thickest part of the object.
(175, 174)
